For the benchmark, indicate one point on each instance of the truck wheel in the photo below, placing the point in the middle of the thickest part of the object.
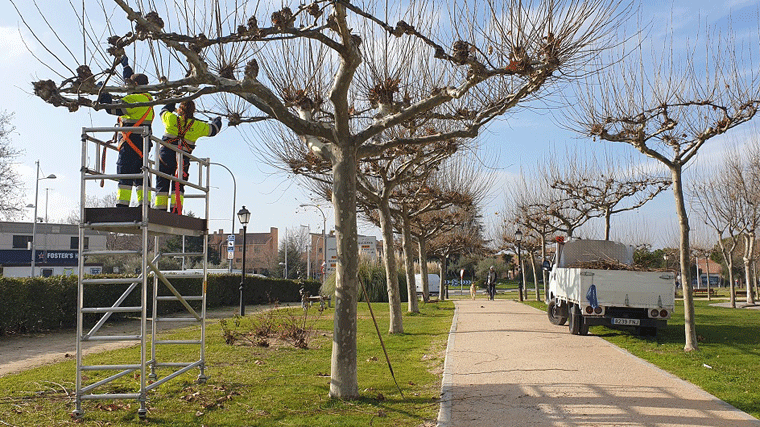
(574, 319)
(555, 314)
(583, 326)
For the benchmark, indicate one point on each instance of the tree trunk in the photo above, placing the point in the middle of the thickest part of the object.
(728, 257)
(409, 262)
(391, 271)
(544, 273)
(688, 296)
(424, 272)
(442, 273)
(749, 247)
(754, 277)
(343, 377)
(707, 267)
(535, 277)
(607, 221)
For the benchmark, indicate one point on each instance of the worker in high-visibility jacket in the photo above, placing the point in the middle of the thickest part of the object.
(182, 130)
(130, 144)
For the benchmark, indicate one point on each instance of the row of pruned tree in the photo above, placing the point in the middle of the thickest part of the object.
(359, 85)
(726, 196)
(560, 196)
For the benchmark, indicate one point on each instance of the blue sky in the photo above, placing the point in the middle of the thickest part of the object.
(521, 140)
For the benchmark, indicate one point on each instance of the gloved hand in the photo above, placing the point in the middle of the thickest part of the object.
(217, 122)
(124, 61)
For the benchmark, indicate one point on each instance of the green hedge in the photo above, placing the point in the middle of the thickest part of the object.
(35, 304)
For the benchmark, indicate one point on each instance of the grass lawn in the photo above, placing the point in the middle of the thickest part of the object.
(726, 364)
(251, 385)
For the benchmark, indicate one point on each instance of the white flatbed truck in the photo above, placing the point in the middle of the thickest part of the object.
(585, 289)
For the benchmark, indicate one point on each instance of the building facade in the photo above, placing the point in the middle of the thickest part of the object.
(367, 247)
(260, 253)
(56, 249)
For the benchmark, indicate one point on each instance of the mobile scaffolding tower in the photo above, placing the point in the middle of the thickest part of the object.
(147, 223)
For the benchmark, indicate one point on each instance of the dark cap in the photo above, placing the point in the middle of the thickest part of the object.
(139, 79)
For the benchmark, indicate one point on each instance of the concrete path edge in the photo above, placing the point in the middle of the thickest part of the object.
(444, 413)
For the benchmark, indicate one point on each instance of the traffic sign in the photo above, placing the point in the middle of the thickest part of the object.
(231, 238)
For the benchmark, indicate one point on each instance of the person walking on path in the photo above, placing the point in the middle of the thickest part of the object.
(491, 283)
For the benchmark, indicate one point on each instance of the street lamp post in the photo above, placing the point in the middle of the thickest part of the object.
(36, 203)
(324, 239)
(234, 203)
(308, 254)
(286, 254)
(244, 216)
(518, 239)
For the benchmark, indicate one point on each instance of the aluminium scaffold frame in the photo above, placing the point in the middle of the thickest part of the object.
(146, 223)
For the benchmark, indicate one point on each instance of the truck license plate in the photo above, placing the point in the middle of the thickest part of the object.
(625, 322)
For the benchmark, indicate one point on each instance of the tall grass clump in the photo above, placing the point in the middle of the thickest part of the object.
(372, 275)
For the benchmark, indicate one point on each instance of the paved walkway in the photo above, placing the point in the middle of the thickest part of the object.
(506, 365)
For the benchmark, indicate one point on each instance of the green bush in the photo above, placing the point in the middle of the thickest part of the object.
(40, 303)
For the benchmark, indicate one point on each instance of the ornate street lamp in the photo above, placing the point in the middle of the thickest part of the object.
(518, 239)
(243, 216)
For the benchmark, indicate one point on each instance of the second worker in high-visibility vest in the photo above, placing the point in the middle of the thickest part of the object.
(183, 130)
(130, 144)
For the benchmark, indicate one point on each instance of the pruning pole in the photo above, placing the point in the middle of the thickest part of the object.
(379, 336)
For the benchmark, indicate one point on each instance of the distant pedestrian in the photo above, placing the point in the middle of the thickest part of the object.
(491, 283)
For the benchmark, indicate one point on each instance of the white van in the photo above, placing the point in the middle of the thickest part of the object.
(434, 283)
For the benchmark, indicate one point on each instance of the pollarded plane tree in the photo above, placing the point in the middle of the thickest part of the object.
(744, 172)
(668, 109)
(378, 178)
(465, 239)
(607, 184)
(531, 246)
(467, 184)
(449, 188)
(380, 181)
(532, 204)
(307, 70)
(412, 199)
(701, 248)
(716, 202)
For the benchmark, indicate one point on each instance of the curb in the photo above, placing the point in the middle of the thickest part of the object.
(444, 413)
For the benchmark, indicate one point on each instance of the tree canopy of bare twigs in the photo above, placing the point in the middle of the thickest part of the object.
(667, 109)
(608, 185)
(11, 189)
(716, 202)
(337, 76)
